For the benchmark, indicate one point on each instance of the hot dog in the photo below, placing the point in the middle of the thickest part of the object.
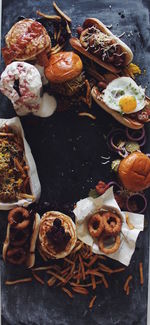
(135, 111)
(21, 236)
(99, 44)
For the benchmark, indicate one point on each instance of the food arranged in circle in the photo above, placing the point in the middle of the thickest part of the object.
(41, 77)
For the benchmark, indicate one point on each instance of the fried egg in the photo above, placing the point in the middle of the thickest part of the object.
(124, 96)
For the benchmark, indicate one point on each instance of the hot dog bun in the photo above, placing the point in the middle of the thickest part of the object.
(30, 260)
(125, 120)
(75, 43)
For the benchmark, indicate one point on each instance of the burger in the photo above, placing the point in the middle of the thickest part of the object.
(134, 172)
(66, 78)
(57, 235)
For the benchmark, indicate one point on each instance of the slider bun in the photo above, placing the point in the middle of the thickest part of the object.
(63, 66)
(134, 172)
(125, 120)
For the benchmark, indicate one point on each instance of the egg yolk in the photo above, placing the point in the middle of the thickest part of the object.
(127, 104)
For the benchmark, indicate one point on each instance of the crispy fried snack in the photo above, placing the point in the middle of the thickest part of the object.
(96, 225)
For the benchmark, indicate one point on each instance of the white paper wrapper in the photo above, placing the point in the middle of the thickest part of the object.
(35, 186)
(88, 206)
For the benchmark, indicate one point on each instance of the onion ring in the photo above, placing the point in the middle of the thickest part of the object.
(142, 144)
(18, 237)
(112, 223)
(16, 255)
(111, 135)
(112, 183)
(95, 225)
(142, 196)
(130, 137)
(109, 250)
(19, 218)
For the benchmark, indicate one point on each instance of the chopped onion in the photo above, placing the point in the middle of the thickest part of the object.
(142, 196)
(136, 138)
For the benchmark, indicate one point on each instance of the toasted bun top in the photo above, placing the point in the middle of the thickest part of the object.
(134, 172)
(63, 66)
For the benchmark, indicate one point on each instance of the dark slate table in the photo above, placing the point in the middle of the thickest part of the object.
(67, 152)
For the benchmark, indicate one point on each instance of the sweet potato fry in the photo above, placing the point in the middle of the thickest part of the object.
(141, 273)
(61, 13)
(68, 292)
(92, 302)
(8, 282)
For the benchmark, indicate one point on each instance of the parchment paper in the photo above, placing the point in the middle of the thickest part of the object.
(15, 124)
(88, 206)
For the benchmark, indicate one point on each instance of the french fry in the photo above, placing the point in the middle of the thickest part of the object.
(93, 281)
(68, 292)
(57, 276)
(9, 135)
(27, 196)
(141, 273)
(130, 225)
(38, 278)
(81, 290)
(19, 167)
(92, 302)
(61, 13)
(8, 282)
(88, 115)
(50, 17)
(130, 277)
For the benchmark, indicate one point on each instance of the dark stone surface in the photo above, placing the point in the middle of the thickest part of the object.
(67, 152)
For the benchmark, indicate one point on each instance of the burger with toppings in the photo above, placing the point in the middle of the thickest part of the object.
(67, 79)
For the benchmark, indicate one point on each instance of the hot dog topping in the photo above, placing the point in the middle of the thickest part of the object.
(103, 46)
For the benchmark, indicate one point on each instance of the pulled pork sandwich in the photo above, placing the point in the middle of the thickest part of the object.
(134, 172)
(67, 80)
(57, 235)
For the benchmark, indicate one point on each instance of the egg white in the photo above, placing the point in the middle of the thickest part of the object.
(120, 87)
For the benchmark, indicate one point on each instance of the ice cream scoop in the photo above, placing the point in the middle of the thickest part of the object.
(21, 83)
